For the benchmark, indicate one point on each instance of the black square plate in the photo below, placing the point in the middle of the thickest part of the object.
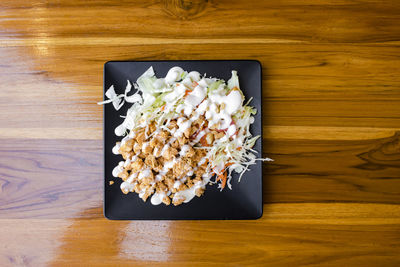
(244, 201)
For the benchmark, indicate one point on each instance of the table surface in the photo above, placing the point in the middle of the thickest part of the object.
(331, 96)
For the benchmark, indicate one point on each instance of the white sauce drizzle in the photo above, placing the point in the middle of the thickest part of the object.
(190, 193)
(115, 149)
(120, 130)
(157, 198)
(185, 149)
(127, 187)
(173, 75)
(231, 130)
(144, 145)
(118, 169)
(177, 184)
(144, 173)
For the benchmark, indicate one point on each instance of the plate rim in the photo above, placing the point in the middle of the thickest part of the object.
(104, 137)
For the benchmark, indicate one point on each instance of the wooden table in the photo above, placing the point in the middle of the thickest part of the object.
(332, 123)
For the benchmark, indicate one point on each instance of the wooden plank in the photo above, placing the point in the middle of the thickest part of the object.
(301, 71)
(333, 171)
(54, 178)
(49, 178)
(63, 133)
(303, 85)
(313, 21)
(307, 234)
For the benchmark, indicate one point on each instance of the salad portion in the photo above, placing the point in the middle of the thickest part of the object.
(182, 132)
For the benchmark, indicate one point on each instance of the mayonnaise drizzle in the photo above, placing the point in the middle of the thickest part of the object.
(118, 169)
(120, 130)
(174, 74)
(144, 173)
(157, 198)
(184, 150)
(190, 193)
(115, 149)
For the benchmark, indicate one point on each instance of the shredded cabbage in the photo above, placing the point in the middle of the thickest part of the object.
(234, 80)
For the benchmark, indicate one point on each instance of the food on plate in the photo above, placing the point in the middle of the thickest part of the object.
(180, 132)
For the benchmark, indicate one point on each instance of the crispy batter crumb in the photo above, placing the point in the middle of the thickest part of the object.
(152, 152)
(178, 201)
(166, 201)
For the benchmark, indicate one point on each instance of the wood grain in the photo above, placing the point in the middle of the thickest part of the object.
(331, 110)
(288, 234)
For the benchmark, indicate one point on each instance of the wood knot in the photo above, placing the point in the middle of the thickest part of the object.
(185, 9)
(386, 154)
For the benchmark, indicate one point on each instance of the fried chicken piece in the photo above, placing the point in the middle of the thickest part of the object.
(186, 133)
(127, 146)
(123, 175)
(146, 195)
(137, 188)
(198, 179)
(182, 187)
(137, 148)
(188, 161)
(147, 177)
(166, 200)
(127, 155)
(178, 200)
(137, 165)
(210, 138)
(199, 191)
(193, 130)
(143, 186)
(172, 124)
(161, 187)
(218, 135)
(169, 181)
(170, 153)
(152, 127)
(163, 135)
(153, 142)
(199, 154)
(175, 144)
(142, 156)
(189, 183)
(147, 149)
(214, 126)
(200, 172)
(157, 150)
(128, 166)
(152, 162)
(161, 160)
(190, 153)
(180, 168)
(140, 138)
(200, 120)
(182, 140)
